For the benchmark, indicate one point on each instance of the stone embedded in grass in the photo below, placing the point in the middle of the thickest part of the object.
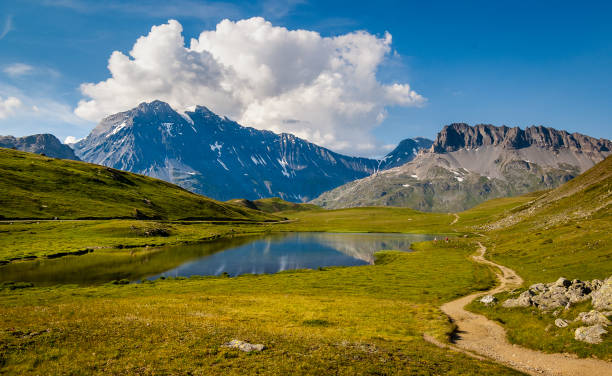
(590, 334)
(488, 299)
(593, 317)
(524, 300)
(560, 323)
(602, 298)
(244, 346)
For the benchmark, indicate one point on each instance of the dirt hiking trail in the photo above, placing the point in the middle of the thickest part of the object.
(480, 337)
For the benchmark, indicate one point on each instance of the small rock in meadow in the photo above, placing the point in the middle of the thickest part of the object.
(590, 334)
(560, 323)
(593, 317)
(488, 299)
(602, 298)
(245, 346)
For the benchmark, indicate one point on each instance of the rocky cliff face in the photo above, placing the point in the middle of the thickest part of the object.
(462, 136)
(217, 157)
(46, 144)
(468, 165)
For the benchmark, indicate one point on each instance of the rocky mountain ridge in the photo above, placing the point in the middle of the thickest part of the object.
(467, 165)
(46, 144)
(463, 136)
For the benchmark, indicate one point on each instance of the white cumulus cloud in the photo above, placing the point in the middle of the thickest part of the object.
(323, 89)
(8, 106)
(71, 140)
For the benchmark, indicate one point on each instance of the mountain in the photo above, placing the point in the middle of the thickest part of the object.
(217, 157)
(467, 165)
(404, 152)
(35, 186)
(588, 196)
(46, 144)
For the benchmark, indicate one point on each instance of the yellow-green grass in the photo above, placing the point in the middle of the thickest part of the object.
(565, 232)
(22, 240)
(273, 205)
(355, 320)
(35, 186)
(59, 237)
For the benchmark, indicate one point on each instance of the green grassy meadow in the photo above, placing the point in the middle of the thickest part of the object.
(340, 320)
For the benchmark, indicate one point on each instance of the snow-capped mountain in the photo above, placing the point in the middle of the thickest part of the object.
(217, 157)
(404, 152)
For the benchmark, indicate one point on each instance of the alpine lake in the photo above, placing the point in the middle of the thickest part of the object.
(270, 253)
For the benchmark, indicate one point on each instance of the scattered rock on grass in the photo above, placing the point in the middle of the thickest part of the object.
(590, 334)
(523, 300)
(488, 299)
(593, 317)
(244, 346)
(564, 293)
(560, 323)
(602, 298)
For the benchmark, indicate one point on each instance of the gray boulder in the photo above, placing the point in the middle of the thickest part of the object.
(560, 323)
(602, 298)
(594, 284)
(244, 346)
(590, 334)
(488, 299)
(538, 288)
(593, 317)
(555, 297)
(562, 282)
(578, 291)
(523, 300)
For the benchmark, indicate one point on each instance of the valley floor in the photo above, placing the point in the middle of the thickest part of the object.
(341, 320)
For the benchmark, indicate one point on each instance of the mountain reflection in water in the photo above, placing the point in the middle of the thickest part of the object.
(239, 255)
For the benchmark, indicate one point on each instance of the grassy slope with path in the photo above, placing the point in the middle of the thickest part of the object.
(564, 232)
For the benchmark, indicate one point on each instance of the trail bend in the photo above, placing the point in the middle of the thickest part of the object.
(481, 337)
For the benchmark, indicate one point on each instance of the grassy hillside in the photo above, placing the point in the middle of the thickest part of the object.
(565, 232)
(35, 186)
(273, 205)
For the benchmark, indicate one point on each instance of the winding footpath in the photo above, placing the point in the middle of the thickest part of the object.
(481, 337)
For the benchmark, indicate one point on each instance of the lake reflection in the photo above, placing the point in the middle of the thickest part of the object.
(240, 255)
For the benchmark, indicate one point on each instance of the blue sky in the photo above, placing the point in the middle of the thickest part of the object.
(512, 63)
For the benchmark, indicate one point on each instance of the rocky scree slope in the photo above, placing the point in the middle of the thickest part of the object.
(46, 144)
(217, 157)
(467, 165)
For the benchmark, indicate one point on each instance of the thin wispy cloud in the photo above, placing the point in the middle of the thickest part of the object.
(8, 26)
(18, 69)
(179, 8)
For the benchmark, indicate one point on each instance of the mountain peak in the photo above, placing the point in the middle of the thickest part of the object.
(156, 105)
